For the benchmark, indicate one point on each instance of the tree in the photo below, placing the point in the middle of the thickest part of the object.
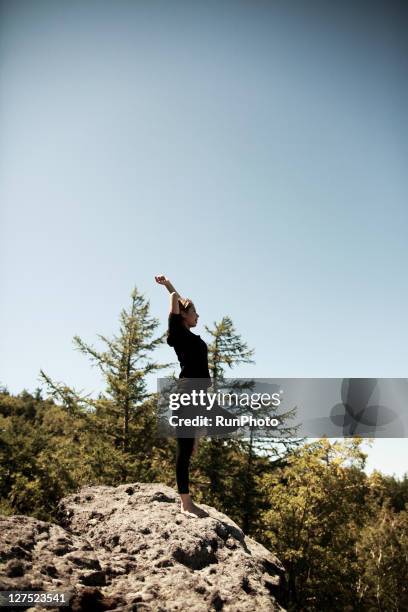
(43, 455)
(125, 411)
(226, 469)
(388, 488)
(226, 350)
(317, 510)
(382, 552)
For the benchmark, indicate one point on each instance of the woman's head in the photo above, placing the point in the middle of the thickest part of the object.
(188, 312)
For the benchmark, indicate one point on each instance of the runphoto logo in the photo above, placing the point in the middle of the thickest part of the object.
(208, 400)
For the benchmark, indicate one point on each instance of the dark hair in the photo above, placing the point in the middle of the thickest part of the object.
(185, 304)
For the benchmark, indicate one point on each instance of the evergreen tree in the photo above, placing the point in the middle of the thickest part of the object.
(226, 350)
(232, 465)
(125, 411)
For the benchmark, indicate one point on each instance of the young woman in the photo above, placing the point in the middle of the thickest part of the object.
(192, 354)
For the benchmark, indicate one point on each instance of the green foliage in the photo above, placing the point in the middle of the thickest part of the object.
(49, 450)
(124, 366)
(382, 553)
(387, 489)
(323, 523)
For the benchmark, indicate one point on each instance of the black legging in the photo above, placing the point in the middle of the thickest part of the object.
(183, 455)
(185, 445)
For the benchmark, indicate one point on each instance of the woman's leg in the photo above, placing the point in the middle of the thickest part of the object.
(183, 455)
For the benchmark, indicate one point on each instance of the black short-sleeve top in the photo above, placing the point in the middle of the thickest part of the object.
(191, 350)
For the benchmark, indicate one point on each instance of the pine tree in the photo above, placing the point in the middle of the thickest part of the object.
(125, 411)
(233, 465)
(226, 350)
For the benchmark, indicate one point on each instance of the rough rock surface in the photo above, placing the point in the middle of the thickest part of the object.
(130, 548)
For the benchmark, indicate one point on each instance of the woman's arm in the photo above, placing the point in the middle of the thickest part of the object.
(174, 296)
(174, 303)
(162, 280)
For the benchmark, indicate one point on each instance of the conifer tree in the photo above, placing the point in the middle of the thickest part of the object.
(232, 465)
(226, 350)
(125, 411)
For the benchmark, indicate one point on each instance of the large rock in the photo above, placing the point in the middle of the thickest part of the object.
(130, 548)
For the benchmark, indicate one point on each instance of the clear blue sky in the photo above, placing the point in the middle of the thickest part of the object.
(254, 152)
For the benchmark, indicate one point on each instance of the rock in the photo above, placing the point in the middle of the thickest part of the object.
(130, 548)
(15, 568)
(93, 578)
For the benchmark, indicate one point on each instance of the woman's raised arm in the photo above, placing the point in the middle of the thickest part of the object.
(174, 296)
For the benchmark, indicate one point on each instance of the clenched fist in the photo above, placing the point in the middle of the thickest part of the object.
(161, 279)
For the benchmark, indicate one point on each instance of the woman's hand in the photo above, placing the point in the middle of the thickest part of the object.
(161, 279)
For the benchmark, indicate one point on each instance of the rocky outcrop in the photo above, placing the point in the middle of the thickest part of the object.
(129, 548)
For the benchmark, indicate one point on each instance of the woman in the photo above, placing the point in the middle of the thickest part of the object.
(192, 354)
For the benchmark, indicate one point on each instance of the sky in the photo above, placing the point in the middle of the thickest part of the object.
(253, 152)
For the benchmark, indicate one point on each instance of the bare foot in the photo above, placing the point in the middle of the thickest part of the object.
(187, 506)
(193, 510)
